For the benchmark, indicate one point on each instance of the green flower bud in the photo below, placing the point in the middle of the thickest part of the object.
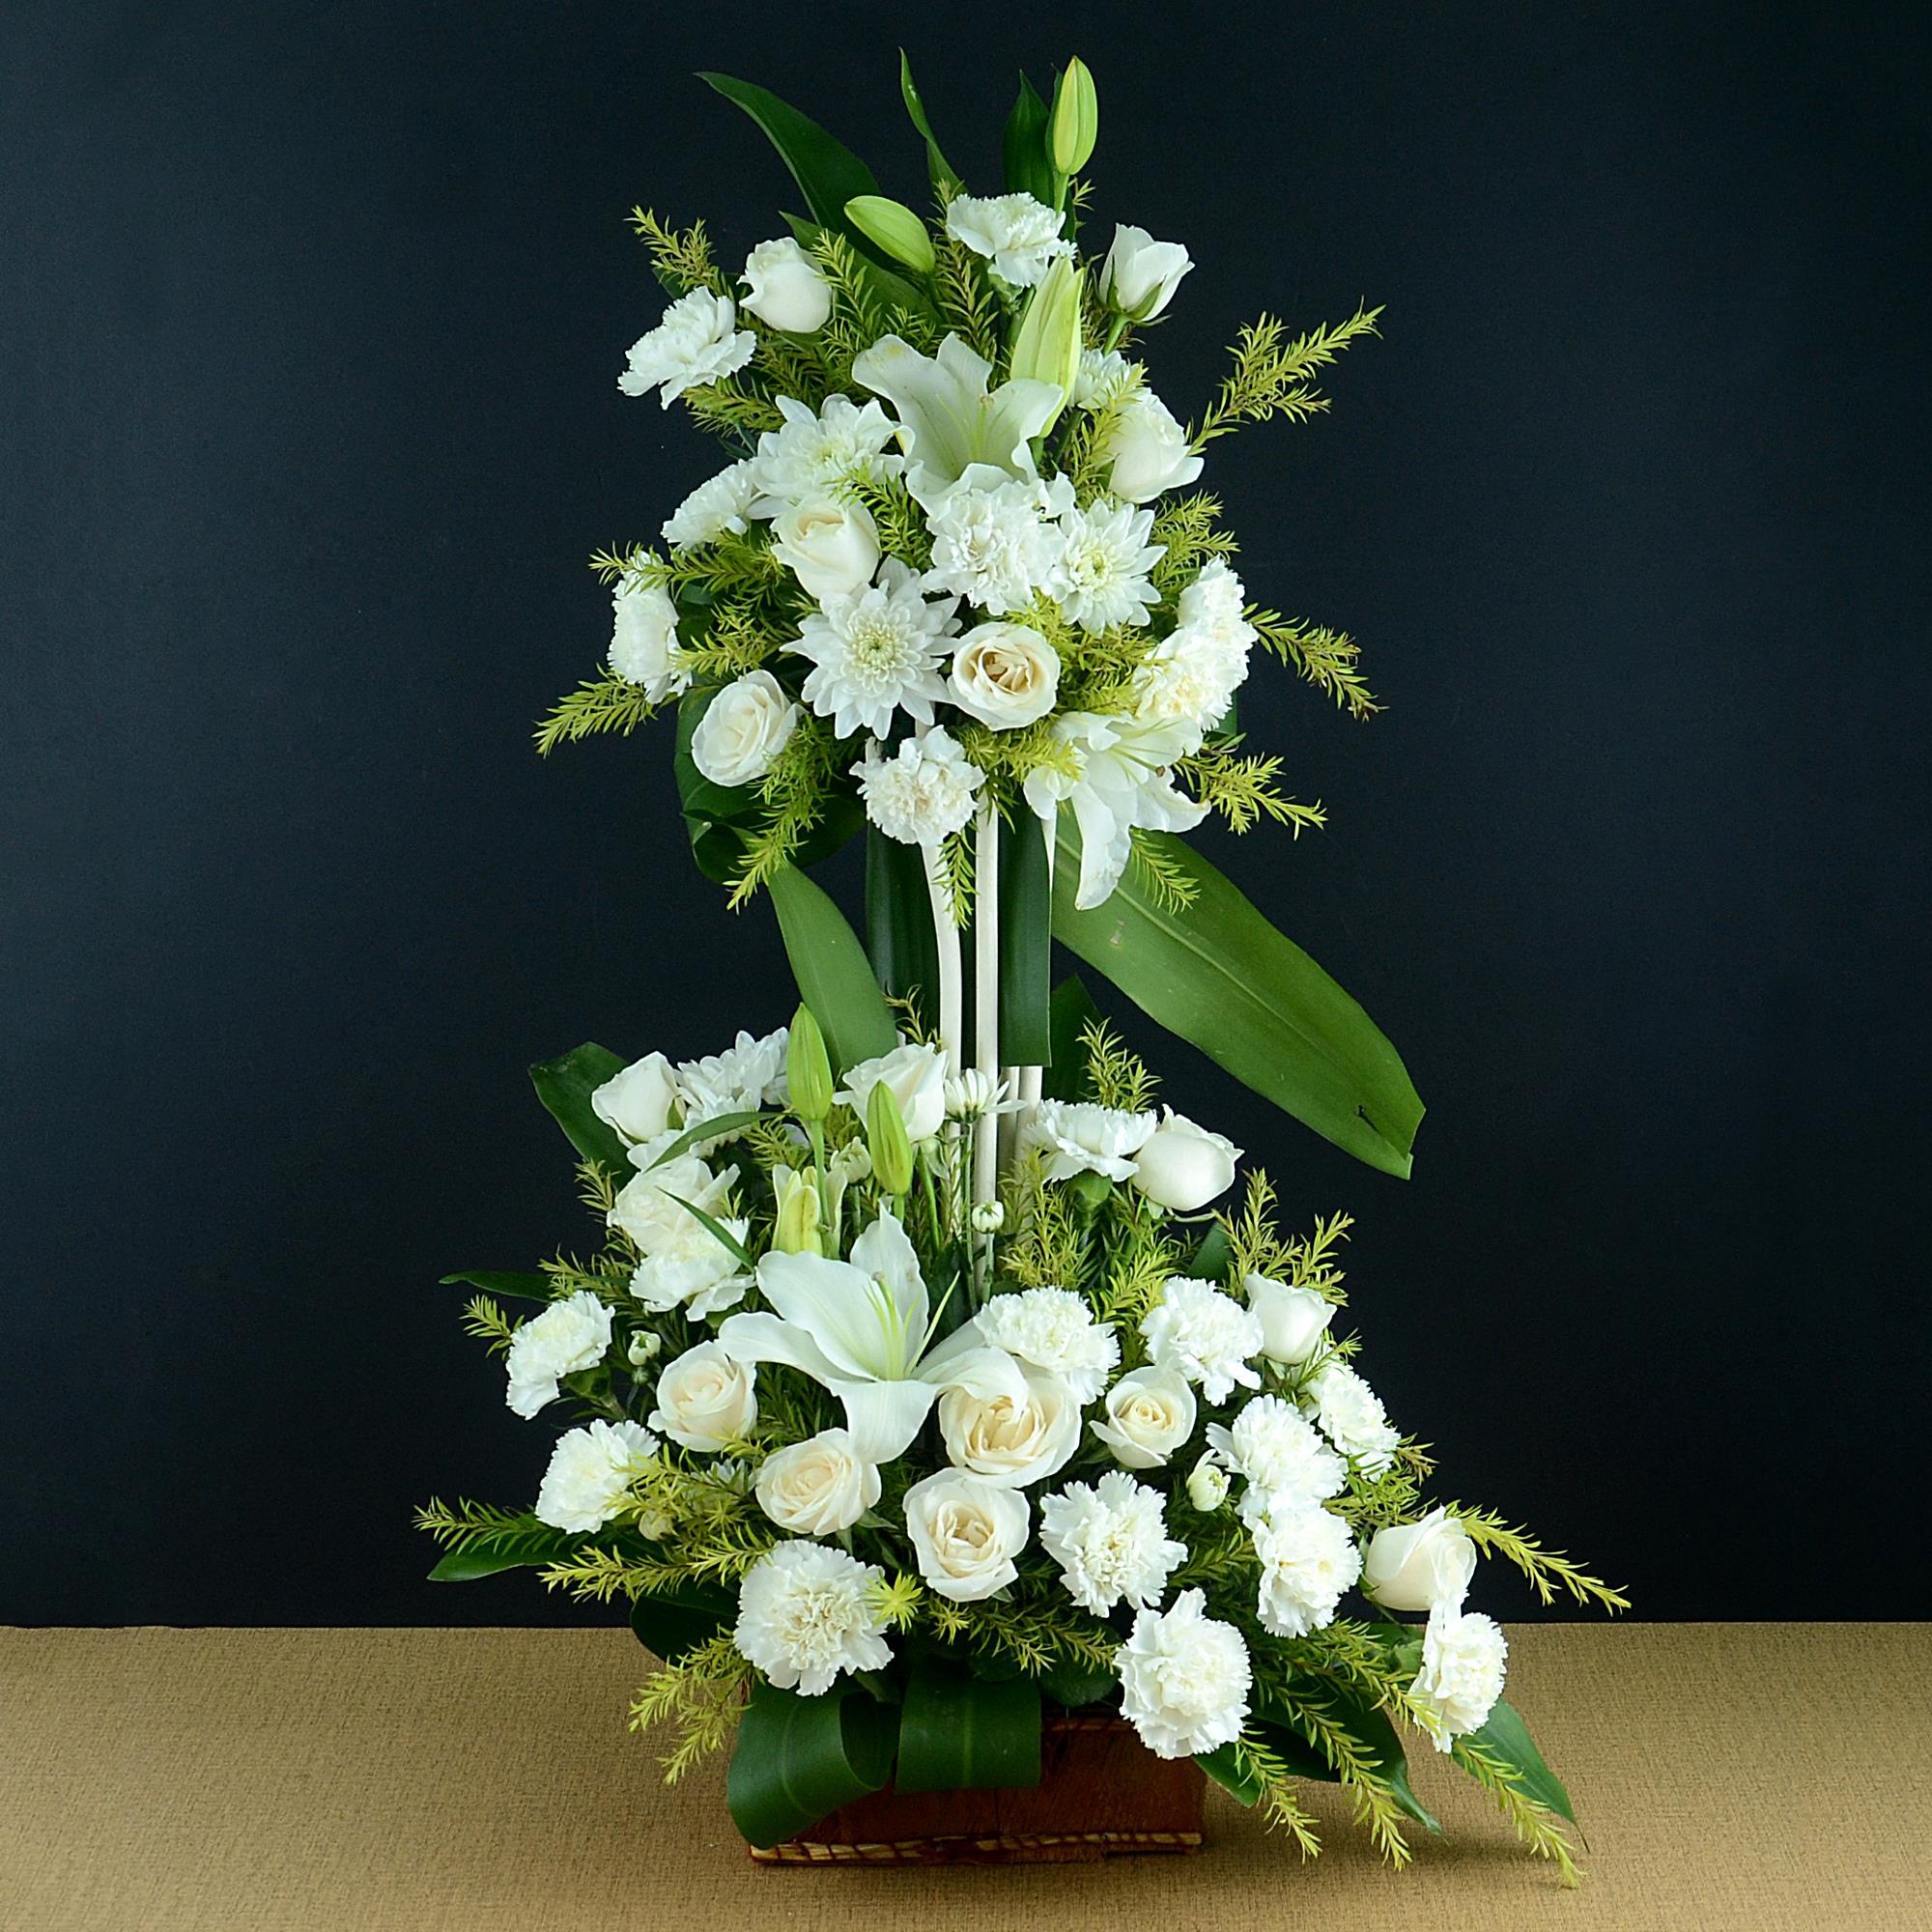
(1076, 117)
(807, 1067)
(797, 1231)
(885, 1137)
(1047, 346)
(896, 229)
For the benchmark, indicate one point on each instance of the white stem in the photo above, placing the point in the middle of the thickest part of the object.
(945, 940)
(1032, 1078)
(987, 997)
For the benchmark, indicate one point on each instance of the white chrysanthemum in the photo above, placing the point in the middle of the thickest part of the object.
(1307, 1559)
(1285, 1462)
(1352, 1418)
(925, 792)
(1052, 1328)
(1101, 577)
(1184, 1679)
(643, 640)
(589, 1470)
(807, 1614)
(813, 453)
(1018, 235)
(568, 1337)
(651, 1206)
(1204, 1335)
(877, 651)
(694, 1271)
(1080, 1137)
(748, 1074)
(994, 542)
(1105, 377)
(1110, 1539)
(1462, 1674)
(698, 342)
(721, 503)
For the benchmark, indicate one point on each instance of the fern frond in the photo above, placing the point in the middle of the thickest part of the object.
(681, 258)
(1270, 376)
(1548, 1571)
(1329, 660)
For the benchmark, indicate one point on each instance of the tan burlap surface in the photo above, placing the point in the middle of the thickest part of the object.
(1739, 1776)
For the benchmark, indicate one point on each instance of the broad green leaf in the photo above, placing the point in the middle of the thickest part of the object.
(960, 1733)
(499, 1281)
(1507, 1736)
(1225, 1769)
(565, 1084)
(938, 166)
(464, 1566)
(1213, 1257)
(1026, 945)
(835, 978)
(715, 1128)
(1028, 168)
(1068, 1013)
(798, 1759)
(670, 1624)
(899, 938)
(1216, 973)
(827, 171)
(1370, 1726)
(1074, 1685)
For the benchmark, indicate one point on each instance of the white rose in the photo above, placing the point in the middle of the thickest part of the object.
(707, 1399)
(787, 291)
(1007, 1442)
(1141, 274)
(638, 1102)
(1294, 1319)
(643, 640)
(966, 1532)
(1420, 1566)
(1149, 1415)
(1183, 1166)
(832, 548)
(818, 1487)
(1148, 451)
(744, 729)
(1005, 675)
(914, 1075)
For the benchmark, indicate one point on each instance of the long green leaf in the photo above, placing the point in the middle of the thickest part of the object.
(960, 1733)
(501, 1281)
(714, 1129)
(835, 978)
(827, 171)
(565, 1084)
(798, 1759)
(941, 171)
(1372, 1730)
(1216, 973)
(1068, 1013)
(1026, 945)
(899, 939)
(670, 1624)
(466, 1566)
(1507, 1736)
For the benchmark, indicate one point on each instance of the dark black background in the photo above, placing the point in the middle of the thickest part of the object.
(312, 322)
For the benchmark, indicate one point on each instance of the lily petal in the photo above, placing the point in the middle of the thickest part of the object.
(884, 1416)
(764, 1338)
(839, 1307)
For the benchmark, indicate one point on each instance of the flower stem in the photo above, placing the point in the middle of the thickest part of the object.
(946, 939)
(987, 997)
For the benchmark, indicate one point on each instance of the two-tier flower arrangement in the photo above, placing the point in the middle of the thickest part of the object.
(929, 1377)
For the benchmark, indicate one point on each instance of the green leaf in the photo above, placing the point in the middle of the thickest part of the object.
(1213, 1257)
(565, 1084)
(718, 1231)
(670, 1623)
(1225, 1769)
(1074, 1685)
(937, 165)
(1216, 973)
(834, 978)
(798, 1759)
(1026, 945)
(899, 939)
(498, 1281)
(464, 1566)
(1068, 1013)
(1370, 1726)
(1029, 167)
(958, 1733)
(714, 1129)
(827, 171)
(1506, 1736)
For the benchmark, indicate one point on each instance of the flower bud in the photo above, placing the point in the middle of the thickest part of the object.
(850, 1163)
(885, 1137)
(989, 1217)
(797, 1230)
(1207, 1486)
(643, 1348)
(807, 1067)
(1076, 117)
(894, 228)
(1047, 346)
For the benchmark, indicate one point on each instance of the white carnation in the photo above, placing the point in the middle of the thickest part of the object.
(693, 1269)
(1462, 1674)
(1081, 1137)
(1307, 1559)
(1184, 1679)
(1018, 235)
(1110, 1542)
(807, 1614)
(589, 1472)
(1352, 1418)
(877, 651)
(1101, 577)
(812, 454)
(1213, 607)
(995, 546)
(748, 1074)
(698, 342)
(650, 1207)
(925, 792)
(1052, 1328)
(1278, 1453)
(643, 640)
(1105, 377)
(1204, 1335)
(1195, 671)
(567, 1338)
(721, 503)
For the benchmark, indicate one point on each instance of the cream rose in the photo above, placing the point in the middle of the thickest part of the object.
(639, 1101)
(916, 1076)
(744, 729)
(1182, 1166)
(1420, 1566)
(1149, 1415)
(1007, 1442)
(832, 548)
(1005, 675)
(707, 1399)
(817, 1487)
(966, 1532)
(785, 289)
(1148, 451)
(1294, 1319)
(1141, 274)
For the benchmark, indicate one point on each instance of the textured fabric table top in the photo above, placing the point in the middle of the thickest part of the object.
(1729, 1775)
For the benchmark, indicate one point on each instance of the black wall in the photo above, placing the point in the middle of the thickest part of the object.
(312, 319)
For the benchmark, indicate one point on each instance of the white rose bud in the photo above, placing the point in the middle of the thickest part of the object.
(638, 1102)
(1207, 1486)
(832, 548)
(1148, 451)
(818, 1487)
(1140, 274)
(1294, 1319)
(1183, 1167)
(916, 1076)
(787, 291)
(966, 1532)
(1007, 1442)
(1149, 1415)
(644, 1349)
(1420, 1566)
(744, 729)
(1005, 675)
(707, 1399)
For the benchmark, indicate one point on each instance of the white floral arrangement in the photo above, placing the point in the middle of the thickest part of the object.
(927, 1370)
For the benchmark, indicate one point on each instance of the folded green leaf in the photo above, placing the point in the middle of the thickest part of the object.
(565, 1084)
(1026, 945)
(960, 1733)
(835, 978)
(499, 1281)
(1506, 1738)
(798, 1759)
(1069, 1013)
(937, 165)
(899, 938)
(670, 1623)
(1029, 167)
(1229, 1773)
(1213, 1257)
(827, 171)
(1216, 973)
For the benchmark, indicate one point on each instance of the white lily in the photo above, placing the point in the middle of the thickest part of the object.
(864, 1329)
(948, 423)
